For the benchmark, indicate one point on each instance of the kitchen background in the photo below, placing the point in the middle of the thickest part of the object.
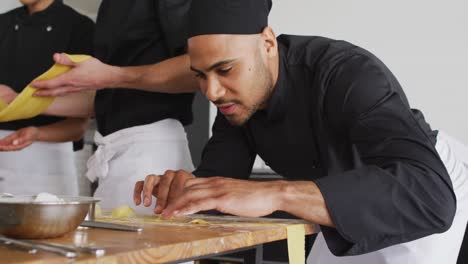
(424, 42)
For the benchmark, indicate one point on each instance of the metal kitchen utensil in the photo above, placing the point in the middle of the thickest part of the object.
(34, 245)
(18, 247)
(112, 226)
(22, 217)
(97, 251)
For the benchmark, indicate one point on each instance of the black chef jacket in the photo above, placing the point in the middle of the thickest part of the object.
(131, 33)
(338, 117)
(27, 43)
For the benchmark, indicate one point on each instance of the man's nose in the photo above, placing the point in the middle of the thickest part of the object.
(214, 90)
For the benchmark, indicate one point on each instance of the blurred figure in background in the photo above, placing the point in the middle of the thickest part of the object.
(29, 35)
(140, 119)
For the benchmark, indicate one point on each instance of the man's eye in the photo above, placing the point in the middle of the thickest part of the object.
(200, 75)
(224, 70)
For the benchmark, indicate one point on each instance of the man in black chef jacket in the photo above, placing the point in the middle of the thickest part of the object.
(29, 35)
(330, 117)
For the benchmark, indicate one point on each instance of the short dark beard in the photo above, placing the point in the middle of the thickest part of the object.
(265, 81)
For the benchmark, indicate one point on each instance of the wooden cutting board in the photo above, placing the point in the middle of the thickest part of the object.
(164, 241)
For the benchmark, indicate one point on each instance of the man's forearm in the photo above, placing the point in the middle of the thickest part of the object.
(304, 200)
(169, 76)
(70, 129)
(73, 105)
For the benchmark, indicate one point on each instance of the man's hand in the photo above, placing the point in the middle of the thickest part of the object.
(19, 139)
(7, 94)
(165, 188)
(179, 193)
(91, 74)
(230, 196)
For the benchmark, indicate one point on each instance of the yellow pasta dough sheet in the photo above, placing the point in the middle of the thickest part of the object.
(25, 104)
(296, 244)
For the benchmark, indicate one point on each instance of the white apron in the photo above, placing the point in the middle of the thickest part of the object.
(433, 249)
(129, 155)
(41, 167)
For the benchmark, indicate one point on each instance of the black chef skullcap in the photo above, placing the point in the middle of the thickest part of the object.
(228, 16)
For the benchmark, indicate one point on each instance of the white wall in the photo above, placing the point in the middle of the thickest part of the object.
(86, 7)
(424, 43)
(6, 5)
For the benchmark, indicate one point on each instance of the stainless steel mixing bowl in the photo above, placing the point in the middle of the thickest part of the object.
(22, 217)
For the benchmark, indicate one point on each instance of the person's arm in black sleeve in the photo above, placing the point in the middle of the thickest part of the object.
(227, 153)
(172, 75)
(401, 191)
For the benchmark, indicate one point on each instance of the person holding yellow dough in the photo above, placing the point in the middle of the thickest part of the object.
(36, 154)
(140, 128)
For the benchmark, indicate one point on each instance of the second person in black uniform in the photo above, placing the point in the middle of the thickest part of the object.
(138, 132)
(29, 35)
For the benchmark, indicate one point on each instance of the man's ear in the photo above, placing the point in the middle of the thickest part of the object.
(269, 41)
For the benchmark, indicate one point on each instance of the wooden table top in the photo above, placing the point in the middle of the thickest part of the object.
(163, 241)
